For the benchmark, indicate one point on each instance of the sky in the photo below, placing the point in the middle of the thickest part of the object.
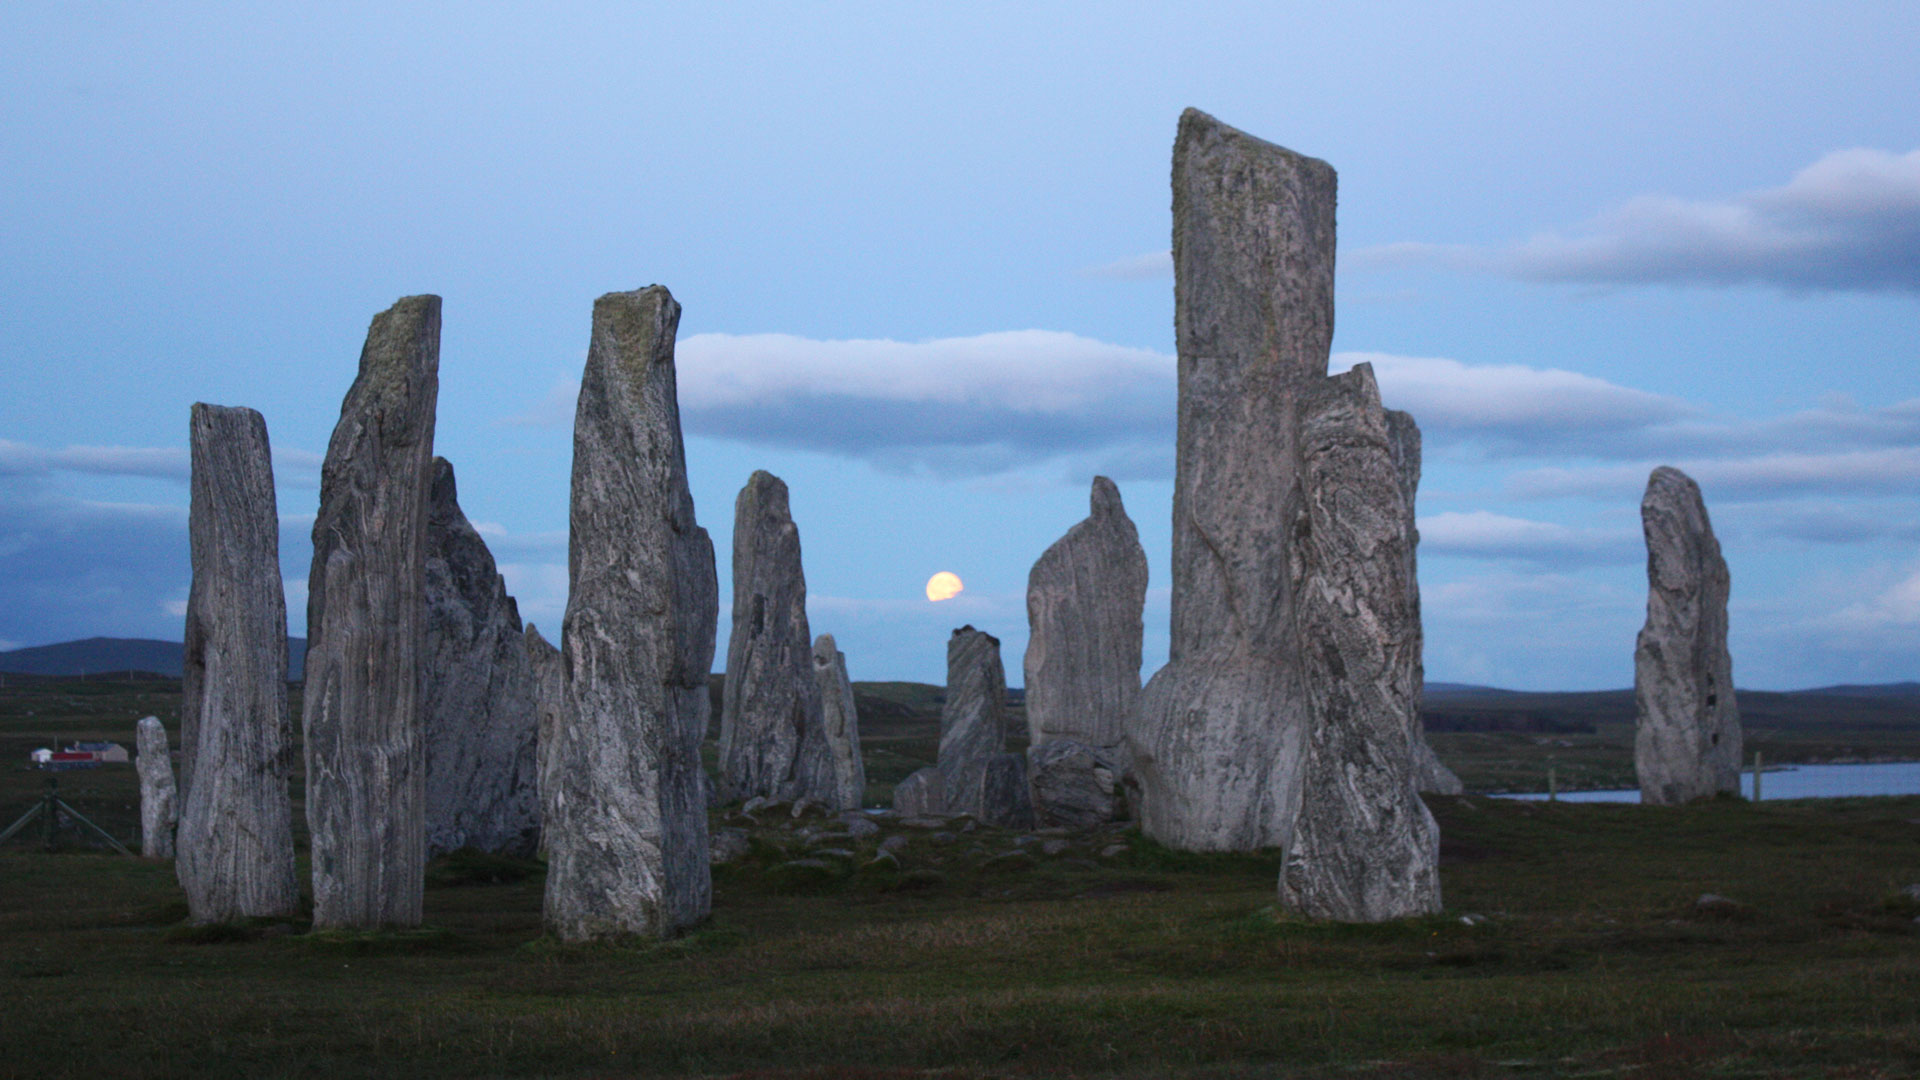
(921, 251)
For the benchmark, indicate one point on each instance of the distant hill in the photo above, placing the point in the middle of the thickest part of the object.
(101, 655)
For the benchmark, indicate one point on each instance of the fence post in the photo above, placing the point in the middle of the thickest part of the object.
(1553, 783)
(1756, 776)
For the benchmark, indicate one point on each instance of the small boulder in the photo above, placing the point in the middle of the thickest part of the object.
(1074, 784)
(920, 794)
(726, 845)
(860, 828)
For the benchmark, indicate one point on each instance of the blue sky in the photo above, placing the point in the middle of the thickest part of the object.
(921, 254)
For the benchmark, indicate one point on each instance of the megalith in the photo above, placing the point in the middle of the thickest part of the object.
(845, 785)
(477, 693)
(1219, 736)
(973, 719)
(233, 849)
(1687, 745)
(627, 844)
(159, 802)
(771, 743)
(1365, 848)
(919, 794)
(1075, 786)
(1431, 776)
(366, 767)
(1006, 799)
(550, 701)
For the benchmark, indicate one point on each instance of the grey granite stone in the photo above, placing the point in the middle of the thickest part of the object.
(549, 675)
(1074, 785)
(1005, 799)
(159, 798)
(1688, 743)
(1365, 848)
(919, 795)
(628, 850)
(1430, 775)
(844, 785)
(233, 850)
(1084, 601)
(973, 719)
(477, 693)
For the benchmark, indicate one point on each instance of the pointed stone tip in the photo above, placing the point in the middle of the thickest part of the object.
(442, 490)
(1105, 498)
(1667, 482)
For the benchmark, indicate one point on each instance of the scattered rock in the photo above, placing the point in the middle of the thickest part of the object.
(1715, 906)
(159, 806)
(1688, 742)
(808, 805)
(726, 845)
(919, 795)
(861, 828)
(1113, 851)
(1473, 920)
(1074, 785)
(842, 854)
(756, 804)
(628, 854)
(895, 844)
(885, 860)
(973, 720)
(233, 847)
(925, 822)
(1054, 846)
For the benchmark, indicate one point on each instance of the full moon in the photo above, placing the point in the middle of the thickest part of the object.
(944, 585)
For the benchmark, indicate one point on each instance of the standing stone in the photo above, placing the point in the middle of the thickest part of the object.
(550, 702)
(628, 850)
(845, 786)
(973, 720)
(476, 693)
(1365, 848)
(1430, 775)
(1006, 800)
(159, 806)
(1688, 743)
(366, 767)
(771, 743)
(919, 794)
(1219, 736)
(1075, 786)
(234, 845)
(1084, 601)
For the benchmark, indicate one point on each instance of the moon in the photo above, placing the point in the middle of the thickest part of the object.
(944, 586)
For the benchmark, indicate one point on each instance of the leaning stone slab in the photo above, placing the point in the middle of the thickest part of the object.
(366, 767)
(233, 850)
(1075, 786)
(1365, 848)
(973, 720)
(1688, 742)
(1084, 601)
(919, 795)
(159, 802)
(770, 738)
(1219, 736)
(477, 693)
(844, 784)
(628, 849)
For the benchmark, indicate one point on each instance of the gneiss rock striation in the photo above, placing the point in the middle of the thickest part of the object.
(846, 781)
(1687, 745)
(550, 703)
(233, 850)
(973, 720)
(366, 767)
(1365, 848)
(627, 837)
(159, 798)
(771, 742)
(1074, 785)
(477, 693)
(1084, 601)
(1431, 776)
(1219, 737)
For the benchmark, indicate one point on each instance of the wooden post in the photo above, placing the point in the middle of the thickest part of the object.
(1553, 783)
(1756, 776)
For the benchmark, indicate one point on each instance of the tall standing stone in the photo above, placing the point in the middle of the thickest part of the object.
(839, 726)
(477, 699)
(366, 767)
(1365, 848)
(1431, 776)
(771, 742)
(1687, 745)
(550, 703)
(973, 719)
(627, 850)
(1220, 733)
(234, 845)
(1084, 601)
(159, 798)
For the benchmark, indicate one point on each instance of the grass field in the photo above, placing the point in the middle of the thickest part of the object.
(1106, 956)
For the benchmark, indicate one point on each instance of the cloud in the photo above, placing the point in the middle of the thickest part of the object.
(1483, 535)
(1892, 471)
(1848, 222)
(294, 468)
(1148, 267)
(1511, 401)
(1896, 607)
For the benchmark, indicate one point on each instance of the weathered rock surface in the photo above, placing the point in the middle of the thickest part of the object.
(159, 802)
(366, 767)
(477, 693)
(973, 720)
(233, 850)
(1074, 785)
(1084, 601)
(1006, 800)
(771, 741)
(846, 780)
(1217, 741)
(628, 849)
(1688, 743)
(1431, 776)
(549, 675)
(919, 794)
(1365, 848)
